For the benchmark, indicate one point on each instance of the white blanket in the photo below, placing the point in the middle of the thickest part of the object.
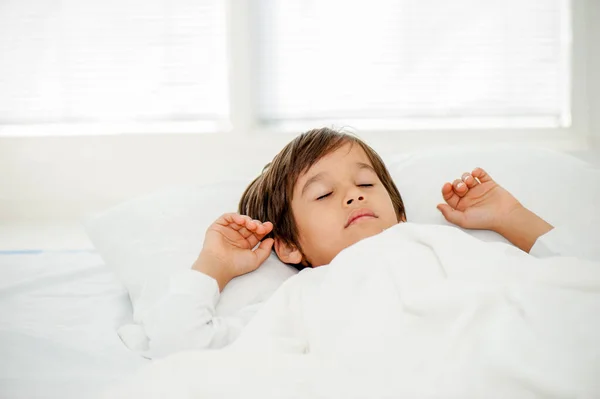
(417, 311)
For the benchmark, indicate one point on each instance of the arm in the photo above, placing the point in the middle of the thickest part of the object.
(523, 228)
(476, 201)
(185, 317)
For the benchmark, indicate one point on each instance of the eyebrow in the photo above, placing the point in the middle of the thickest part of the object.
(319, 176)
(362, 165)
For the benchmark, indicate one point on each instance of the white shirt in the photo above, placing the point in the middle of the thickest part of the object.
(185, 317)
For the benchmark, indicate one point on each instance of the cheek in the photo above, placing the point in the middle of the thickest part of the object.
(388, 207)
(320, 220)
(319, 229)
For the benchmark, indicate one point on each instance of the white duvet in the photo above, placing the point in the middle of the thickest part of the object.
(417, 312)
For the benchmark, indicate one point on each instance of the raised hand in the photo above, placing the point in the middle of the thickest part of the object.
(229, 247)
(476, 201)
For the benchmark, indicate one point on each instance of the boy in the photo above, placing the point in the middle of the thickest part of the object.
(323, 192)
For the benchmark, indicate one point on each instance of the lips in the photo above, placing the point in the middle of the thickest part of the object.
(357, 214)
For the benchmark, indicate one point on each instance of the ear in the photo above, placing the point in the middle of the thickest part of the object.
(287, 253)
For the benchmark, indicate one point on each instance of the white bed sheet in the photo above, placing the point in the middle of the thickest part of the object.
(59, 311)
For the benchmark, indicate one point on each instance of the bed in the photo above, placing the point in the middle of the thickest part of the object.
(61, 309)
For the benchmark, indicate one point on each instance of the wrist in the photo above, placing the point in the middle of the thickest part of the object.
(505, 224)
(522, 228)
(212, 267)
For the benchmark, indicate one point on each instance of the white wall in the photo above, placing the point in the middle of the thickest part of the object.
(67, 177)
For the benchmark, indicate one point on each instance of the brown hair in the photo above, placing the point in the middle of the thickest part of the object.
(269, 196)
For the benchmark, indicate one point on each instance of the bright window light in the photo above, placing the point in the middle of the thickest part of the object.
(415, 63)
(112, 61)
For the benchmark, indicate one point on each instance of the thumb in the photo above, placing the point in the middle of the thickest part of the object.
(264, 250)
(452, 215)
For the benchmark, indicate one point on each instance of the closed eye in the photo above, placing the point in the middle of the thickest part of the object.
(365, 185)
(323, 196)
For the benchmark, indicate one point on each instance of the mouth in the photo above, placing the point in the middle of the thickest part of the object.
(359, 214)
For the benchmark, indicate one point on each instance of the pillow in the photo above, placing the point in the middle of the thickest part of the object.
(147, 239)
(558, 187)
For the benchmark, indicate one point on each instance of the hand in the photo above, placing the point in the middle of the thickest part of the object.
(228, 247)
(476, 201)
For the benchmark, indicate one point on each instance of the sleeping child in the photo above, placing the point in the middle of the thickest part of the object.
(325, 191)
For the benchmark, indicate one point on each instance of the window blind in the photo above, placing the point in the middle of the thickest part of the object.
(112, 61)
(475, 62)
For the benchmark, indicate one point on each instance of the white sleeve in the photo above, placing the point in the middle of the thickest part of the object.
(583, 243)
(184, 318)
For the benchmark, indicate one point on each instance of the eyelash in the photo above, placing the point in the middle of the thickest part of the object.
(322, 197)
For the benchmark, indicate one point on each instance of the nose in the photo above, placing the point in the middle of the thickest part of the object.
(350, 200)
(354, 196)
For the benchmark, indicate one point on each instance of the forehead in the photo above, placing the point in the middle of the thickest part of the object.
(348, 154)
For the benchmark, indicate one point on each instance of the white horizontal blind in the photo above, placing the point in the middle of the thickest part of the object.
(89, 61)
(434, 63)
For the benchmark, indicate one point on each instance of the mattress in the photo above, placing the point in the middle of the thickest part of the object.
(59, 311)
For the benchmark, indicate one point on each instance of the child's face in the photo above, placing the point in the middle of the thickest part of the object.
(338, 202)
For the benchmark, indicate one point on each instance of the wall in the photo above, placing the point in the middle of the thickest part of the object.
(67, 177)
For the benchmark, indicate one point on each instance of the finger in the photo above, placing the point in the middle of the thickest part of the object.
(239, 219)
(469, 180)
(452, 215)
(244, 231)
(268, 227)
(251, 224)
(252, 240)
(235, 233)
(449, 195)
(264, 229)
(254, 225)
(460, 188)
(240, 228)
(264, 250)
(245, 219)
(237, 222)
(257, 226)
(481, 175)
(251, 237)
(228, 218)
(255, 232)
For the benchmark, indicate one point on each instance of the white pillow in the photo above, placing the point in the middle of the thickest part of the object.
(562, 189)
(145, 240)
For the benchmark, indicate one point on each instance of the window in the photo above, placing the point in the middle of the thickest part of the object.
(113, 61)
(377, 64)
(430, 63)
